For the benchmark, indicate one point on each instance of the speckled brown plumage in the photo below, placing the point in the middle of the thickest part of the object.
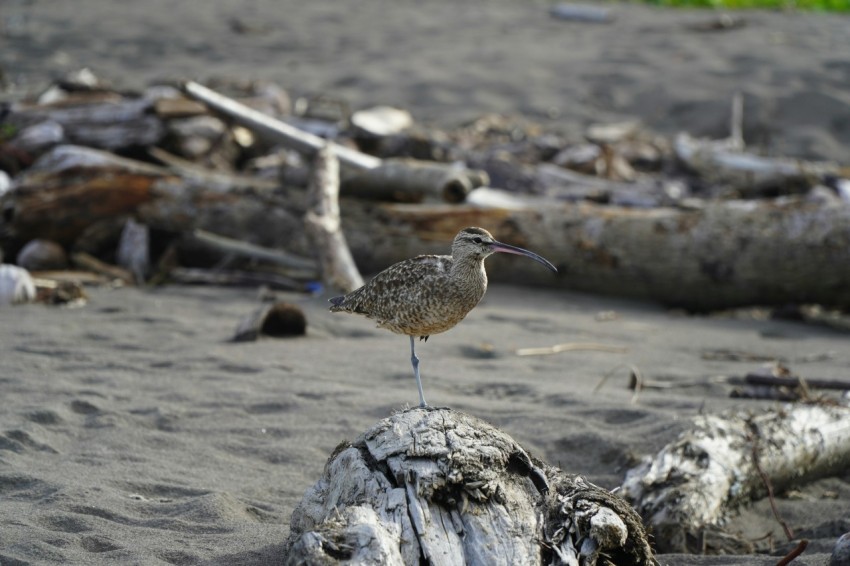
(429, 294)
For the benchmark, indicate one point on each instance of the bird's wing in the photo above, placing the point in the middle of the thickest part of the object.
(406, 282)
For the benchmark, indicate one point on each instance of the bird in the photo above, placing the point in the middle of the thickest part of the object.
(429, 294)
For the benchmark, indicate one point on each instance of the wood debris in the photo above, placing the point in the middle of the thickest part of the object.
(623, 211)
(685, 492)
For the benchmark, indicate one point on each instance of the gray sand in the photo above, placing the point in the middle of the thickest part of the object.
(134, 432)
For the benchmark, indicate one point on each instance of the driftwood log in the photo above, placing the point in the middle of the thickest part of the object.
(725, 461)
(723, 254)
(414, 181)
(435, 486)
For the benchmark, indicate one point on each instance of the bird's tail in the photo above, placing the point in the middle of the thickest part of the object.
(336, 303)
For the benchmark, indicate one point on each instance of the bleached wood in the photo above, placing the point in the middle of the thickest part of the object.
(695, 482)
(439, 487)
(275, 130)
(322, 223)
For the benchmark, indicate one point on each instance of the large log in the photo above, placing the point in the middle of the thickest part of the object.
(439, 487)
(722, 255)
(726, 461)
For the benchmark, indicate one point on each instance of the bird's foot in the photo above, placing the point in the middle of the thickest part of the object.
(433, 408)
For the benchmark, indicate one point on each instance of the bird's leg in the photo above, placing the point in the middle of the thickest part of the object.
(415, 361)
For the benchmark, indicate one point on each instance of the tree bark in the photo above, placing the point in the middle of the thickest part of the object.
(693, 483)
(440, 487)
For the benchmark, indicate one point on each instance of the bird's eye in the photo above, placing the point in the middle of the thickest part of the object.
(476, 240)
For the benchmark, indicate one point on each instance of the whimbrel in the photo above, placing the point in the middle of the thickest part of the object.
(429, 294)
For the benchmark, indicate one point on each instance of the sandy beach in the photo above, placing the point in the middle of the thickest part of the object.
(133, 431)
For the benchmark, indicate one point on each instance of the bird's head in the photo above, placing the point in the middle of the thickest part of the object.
(478, 243)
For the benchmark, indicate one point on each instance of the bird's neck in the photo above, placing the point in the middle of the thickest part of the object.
(469, 269)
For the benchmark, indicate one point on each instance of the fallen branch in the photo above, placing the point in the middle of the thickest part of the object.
(775, 381)
(322, 224)
(795, 552)
(302, 266)
(274, 130)
(693, 483)
(568, 185)
(194, 276)
(88, 262)
(218, 179)
(686, 258)
(570, 347)
(768, 485)
(133, 253)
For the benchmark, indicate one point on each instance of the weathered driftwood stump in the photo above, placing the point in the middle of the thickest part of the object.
(441, 487)
(724, 461)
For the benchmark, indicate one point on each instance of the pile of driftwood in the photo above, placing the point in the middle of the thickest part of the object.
(186, 184)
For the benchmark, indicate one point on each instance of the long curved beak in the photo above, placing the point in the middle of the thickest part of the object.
(507, 249)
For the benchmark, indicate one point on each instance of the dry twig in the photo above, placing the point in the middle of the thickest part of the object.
(571, 347)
